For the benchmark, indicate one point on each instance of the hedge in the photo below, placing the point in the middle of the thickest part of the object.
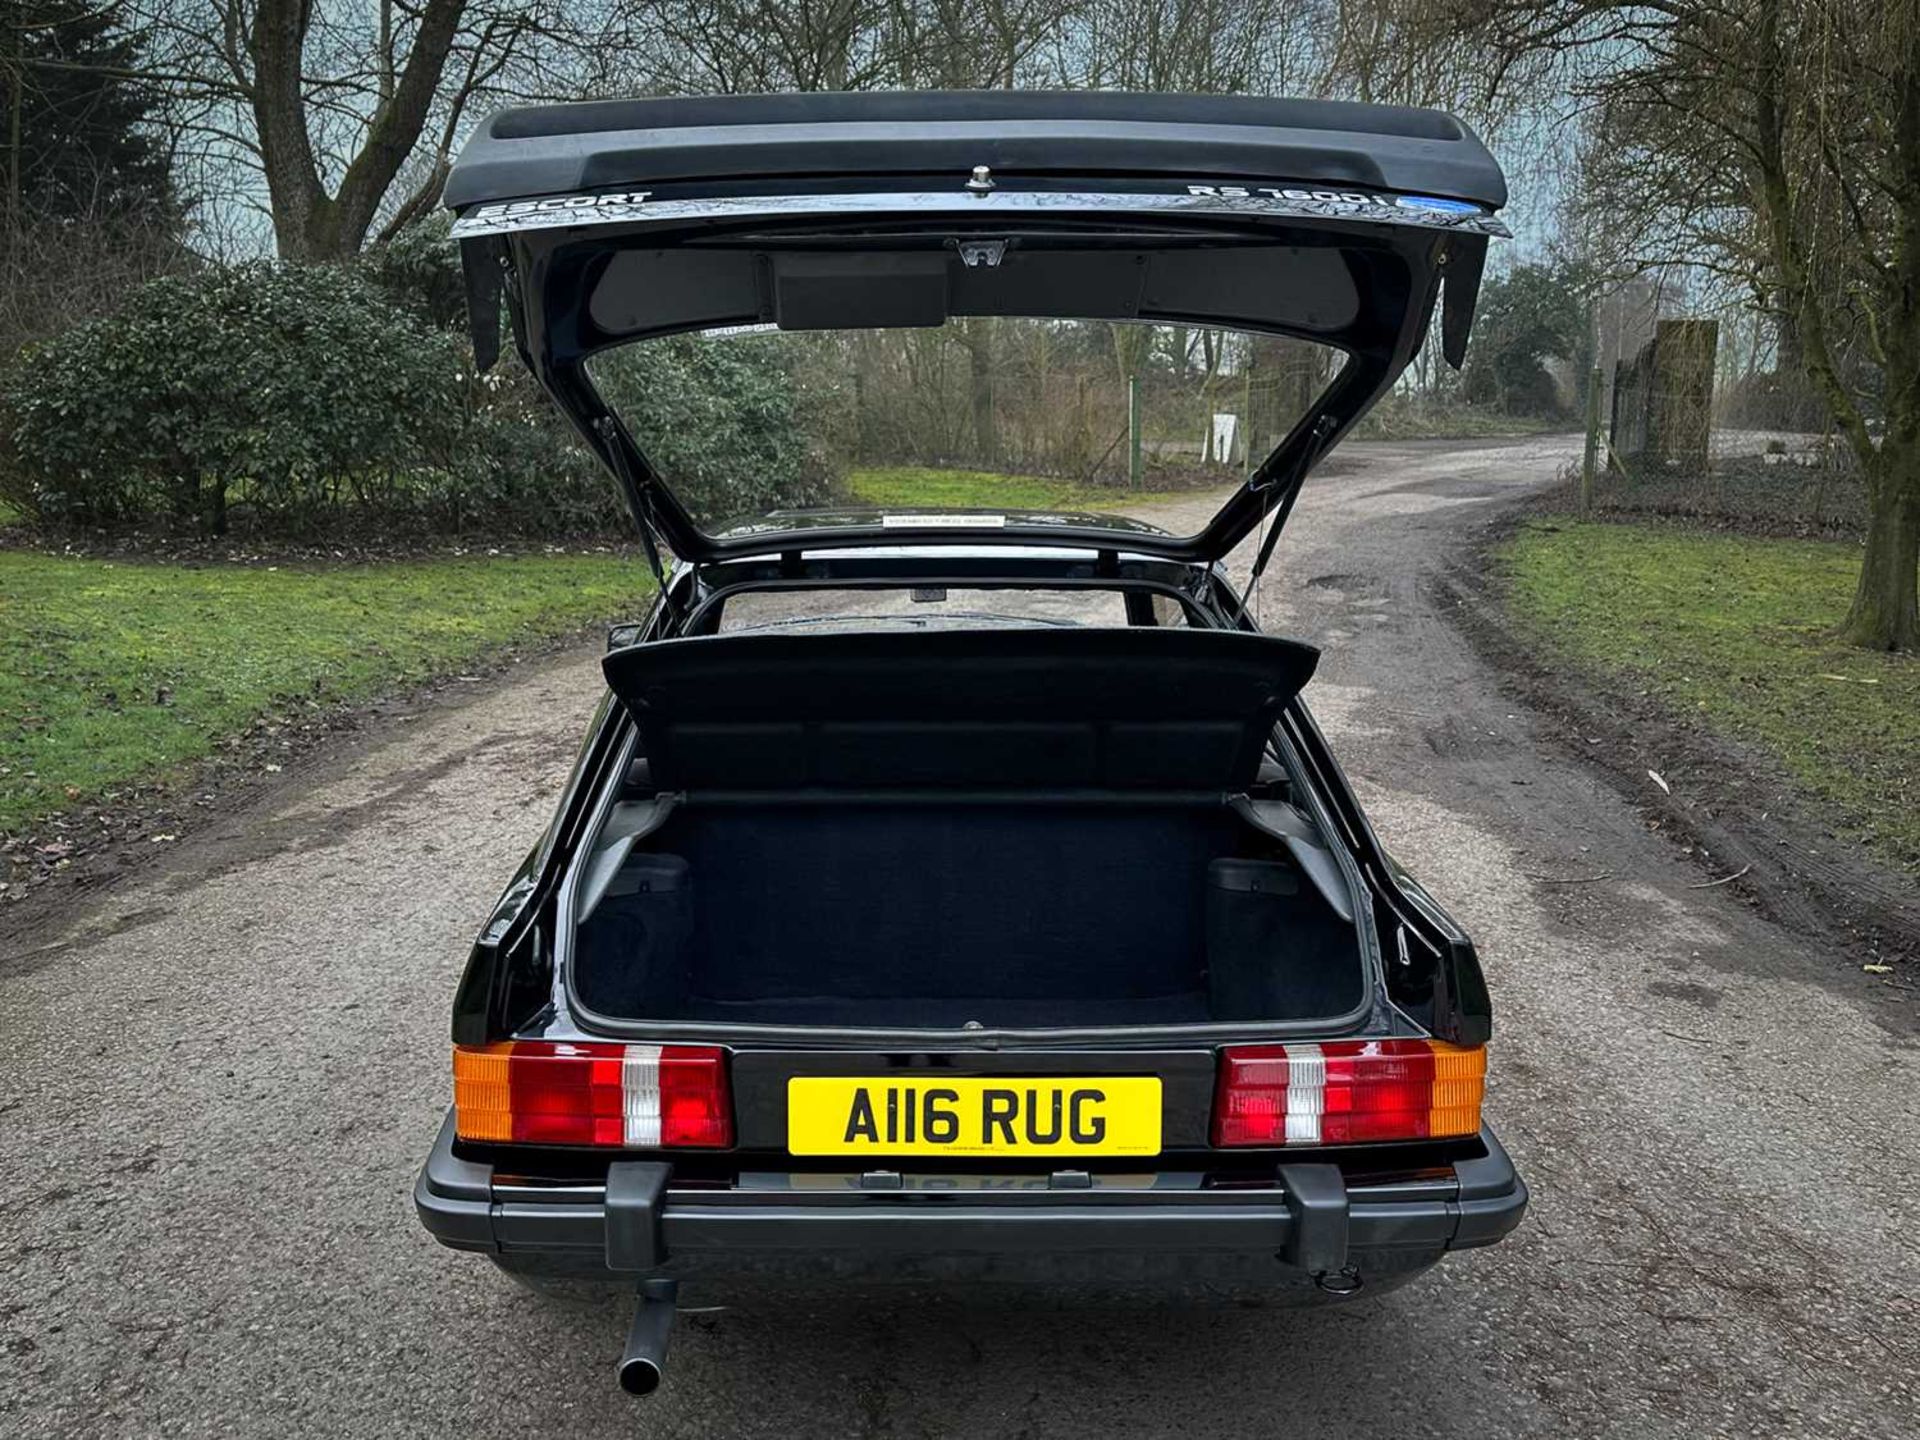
(306, 401)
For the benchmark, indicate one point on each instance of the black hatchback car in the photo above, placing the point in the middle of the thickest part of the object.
(968, 891)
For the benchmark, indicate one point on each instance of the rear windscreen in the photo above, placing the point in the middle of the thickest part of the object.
(997, 414)
(923, 608)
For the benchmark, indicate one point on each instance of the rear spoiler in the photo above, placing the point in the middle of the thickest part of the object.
(741, 141)
(662, 162)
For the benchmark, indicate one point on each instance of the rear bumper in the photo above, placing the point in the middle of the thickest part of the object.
(1310, 1222)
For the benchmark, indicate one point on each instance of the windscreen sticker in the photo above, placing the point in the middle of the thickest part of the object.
(944, 522)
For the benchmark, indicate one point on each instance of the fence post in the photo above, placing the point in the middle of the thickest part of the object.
(1591, 458)
(1133, 431)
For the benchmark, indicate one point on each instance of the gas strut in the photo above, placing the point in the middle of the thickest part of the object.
(640, 502)
(1315, 446)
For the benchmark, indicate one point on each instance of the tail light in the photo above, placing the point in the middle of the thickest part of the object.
(1347, 1092)
(540, 1092)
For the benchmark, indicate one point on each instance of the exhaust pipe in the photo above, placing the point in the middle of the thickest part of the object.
(1345, 1281)
(645, 1358)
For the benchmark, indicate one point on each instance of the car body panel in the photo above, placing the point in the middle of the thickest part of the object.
(1372, 1217)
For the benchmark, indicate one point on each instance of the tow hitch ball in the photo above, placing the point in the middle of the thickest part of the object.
(645, 1358)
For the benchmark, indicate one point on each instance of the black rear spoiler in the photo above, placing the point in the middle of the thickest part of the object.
(730, 140)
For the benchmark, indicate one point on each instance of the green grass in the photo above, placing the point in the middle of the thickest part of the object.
(1737, 633)
(908, 486)
(114, 672)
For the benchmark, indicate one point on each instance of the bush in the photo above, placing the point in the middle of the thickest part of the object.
(290, 389)
(1772, 400)
(723, 419)
(419, 270)
(1527, 317)
(736, 425)
(311, 400)
(519, 469)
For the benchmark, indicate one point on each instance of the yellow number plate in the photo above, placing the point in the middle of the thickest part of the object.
(973, 1116)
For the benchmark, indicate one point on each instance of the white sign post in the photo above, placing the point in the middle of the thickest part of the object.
(1223, 428)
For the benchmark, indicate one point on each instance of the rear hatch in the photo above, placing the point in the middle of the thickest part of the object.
(1337, 226)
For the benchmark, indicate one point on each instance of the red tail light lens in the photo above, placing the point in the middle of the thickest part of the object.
(1347, 1092)
(539, 1092)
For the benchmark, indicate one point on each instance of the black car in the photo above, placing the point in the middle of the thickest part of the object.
(969, 892)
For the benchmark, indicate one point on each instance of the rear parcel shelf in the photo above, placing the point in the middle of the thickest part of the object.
(1125, 710)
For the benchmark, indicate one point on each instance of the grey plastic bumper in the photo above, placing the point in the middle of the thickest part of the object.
(637, 1223)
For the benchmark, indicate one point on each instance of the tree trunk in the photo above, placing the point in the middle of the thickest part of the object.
(1211, 344)
(309, 224)
(1129, 348)
(977, 335)
(295, 196)
(1886, 602)
(1883, 614)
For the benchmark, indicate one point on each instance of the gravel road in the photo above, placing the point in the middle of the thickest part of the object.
(218, 1078)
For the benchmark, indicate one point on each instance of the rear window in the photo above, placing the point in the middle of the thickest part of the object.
(986, 413)
(923, 609)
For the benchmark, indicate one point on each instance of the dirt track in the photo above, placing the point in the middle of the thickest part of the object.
(216, 1082)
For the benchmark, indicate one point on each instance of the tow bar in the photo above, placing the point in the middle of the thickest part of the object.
(645, 1358)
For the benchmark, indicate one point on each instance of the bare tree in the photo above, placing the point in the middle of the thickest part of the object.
(348, 113)
(1775, 144)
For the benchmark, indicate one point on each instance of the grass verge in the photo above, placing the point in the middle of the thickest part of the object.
(1733, 633)
(113, 673)
(911, 486)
